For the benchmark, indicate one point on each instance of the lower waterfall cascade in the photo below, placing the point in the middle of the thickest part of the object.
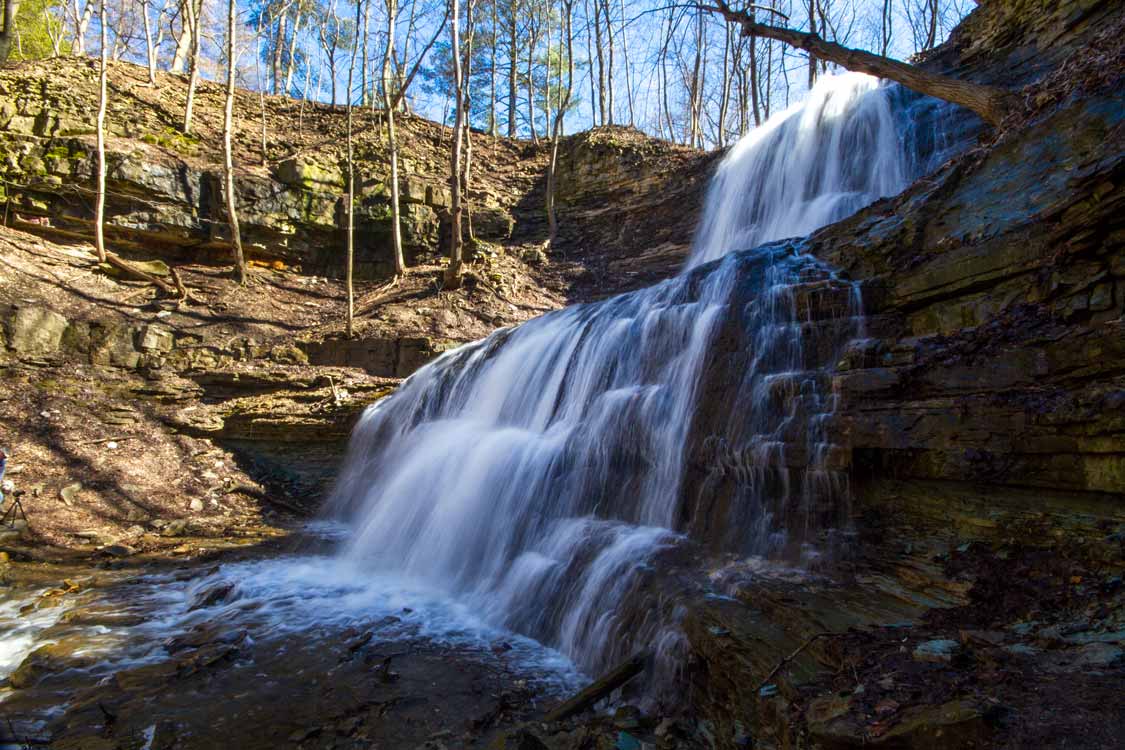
(538, 474)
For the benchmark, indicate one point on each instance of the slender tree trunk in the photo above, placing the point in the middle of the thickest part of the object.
(349, 187)
(609, 61)
(812, 31)
(724, 92)
(291, 63)
(261, 84)
(400, 95)
(754, 103)
(150, 49)
(513, 61)
(885, 28)
(183, 40)
(364, 93)
(601, 61)
(278, 46)
(664, 85)
(532, 44)
(103, 74)
(392, 141)
(696, 84)
(492, 127)
(628, 68)
(81, 26)
(228, 150)
(9, 35)
(590, 65)
(193, 79)
(452, 275)
(467, 103)
(992, 104)
(556, 134)
(547, 74)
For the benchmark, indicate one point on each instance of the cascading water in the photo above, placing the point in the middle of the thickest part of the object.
(538, 473)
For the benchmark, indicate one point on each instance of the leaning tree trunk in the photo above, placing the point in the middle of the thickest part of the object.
(99, 206)
(993, 104)
(228, 155)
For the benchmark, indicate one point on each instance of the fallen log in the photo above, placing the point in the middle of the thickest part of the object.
(600, 688)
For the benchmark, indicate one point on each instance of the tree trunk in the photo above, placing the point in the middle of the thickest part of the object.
(290, 64)
(452, 275)
(724, 91)
(99, 206)
(261, 86)
(278, 46)
(467, 104)
(532, 44)
(547, 74)
(400, 95)
(228, 150)
(392, 141)
(492, 128)
(609, 61)
(513, 63)
(150, 50)
(754, 81)
(193, 79)
(184, 40)
(349, 187)
(991, 103)
(628, 67)
(812, 30)
(8, 35)
(601, 60)
(556, 134)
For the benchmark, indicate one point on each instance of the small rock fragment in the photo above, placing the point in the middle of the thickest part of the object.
(938, 651)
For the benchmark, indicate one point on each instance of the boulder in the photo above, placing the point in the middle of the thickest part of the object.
(35, 331)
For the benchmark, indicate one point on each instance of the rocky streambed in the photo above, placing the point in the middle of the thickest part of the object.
(278, 644)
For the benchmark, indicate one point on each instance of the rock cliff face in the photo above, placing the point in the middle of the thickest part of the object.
(164, 187)
(982, 424)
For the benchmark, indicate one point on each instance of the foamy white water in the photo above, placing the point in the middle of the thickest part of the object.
(537, 474)
(811, 165)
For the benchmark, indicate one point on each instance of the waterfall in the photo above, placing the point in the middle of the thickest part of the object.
(541, 473)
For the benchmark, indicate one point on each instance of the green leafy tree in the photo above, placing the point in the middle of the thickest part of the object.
(39, 31)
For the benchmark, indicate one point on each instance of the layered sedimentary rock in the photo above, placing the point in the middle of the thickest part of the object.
(164, 188)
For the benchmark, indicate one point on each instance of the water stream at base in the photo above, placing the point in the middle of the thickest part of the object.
(538, 474)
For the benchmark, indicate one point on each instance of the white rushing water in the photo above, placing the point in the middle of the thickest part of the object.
(537, 474)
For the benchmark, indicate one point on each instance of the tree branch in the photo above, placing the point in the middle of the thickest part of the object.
(991, 103)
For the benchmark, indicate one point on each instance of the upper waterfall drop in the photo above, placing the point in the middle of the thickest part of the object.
(536, 473)
(806, 167)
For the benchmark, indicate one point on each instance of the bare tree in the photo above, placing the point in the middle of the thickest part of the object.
(228, 150)
(392, 140)
(99, 205)
(194, 13)
(453, 271)
(185, 39)
(349, 188)
(991, 103)
(556, 131)
(150, 48)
